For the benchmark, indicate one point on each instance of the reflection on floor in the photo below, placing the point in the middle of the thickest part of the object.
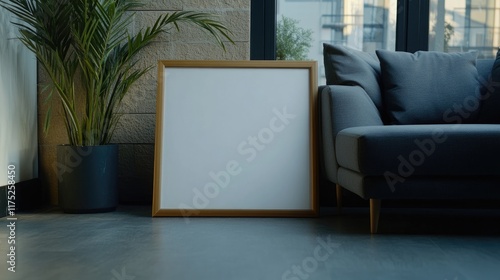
(130, 245)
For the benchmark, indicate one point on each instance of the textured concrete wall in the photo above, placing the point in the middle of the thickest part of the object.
(135, 132)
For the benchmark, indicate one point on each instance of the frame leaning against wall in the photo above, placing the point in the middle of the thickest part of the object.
(236, 138)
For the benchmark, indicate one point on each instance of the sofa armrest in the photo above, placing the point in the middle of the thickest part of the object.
(342, 107)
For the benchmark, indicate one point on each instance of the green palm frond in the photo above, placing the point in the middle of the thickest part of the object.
(87, 42)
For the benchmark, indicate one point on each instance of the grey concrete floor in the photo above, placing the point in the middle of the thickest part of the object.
(130, 245)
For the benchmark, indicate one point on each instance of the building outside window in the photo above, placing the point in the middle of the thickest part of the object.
(465, 25)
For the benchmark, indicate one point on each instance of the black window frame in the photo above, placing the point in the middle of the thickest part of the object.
(263, 29)
(412, 27)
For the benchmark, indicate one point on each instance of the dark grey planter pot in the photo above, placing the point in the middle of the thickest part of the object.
(87, 178)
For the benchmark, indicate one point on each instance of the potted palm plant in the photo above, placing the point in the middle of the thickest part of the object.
(90, 57)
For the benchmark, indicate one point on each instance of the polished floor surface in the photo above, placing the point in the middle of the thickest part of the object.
(130, 245)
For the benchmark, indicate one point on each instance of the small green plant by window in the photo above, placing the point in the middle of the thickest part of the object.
(292, 42)
(449, 31)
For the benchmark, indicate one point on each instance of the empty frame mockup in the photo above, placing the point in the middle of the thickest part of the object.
(235, 138)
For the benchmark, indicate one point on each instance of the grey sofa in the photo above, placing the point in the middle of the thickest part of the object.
(410, 126)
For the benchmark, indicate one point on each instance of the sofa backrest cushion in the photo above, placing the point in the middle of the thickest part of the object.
(490, 105)
(484, 69)
(350, 67)
(429, 87)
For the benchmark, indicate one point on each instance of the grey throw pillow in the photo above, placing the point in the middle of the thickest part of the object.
(429, 87)
(347, 66)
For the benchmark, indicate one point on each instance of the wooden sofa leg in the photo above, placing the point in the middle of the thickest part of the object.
(339, 198)
(374, 214)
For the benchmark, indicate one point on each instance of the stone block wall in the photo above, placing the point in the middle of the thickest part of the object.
(136, 129)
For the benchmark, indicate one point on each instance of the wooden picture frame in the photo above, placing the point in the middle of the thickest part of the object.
(236, 138)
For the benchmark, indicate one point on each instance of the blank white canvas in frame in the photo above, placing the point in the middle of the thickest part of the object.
(236, 139)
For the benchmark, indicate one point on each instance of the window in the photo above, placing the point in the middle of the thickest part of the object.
(465, 25)
(365, 25)
(403, 25)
